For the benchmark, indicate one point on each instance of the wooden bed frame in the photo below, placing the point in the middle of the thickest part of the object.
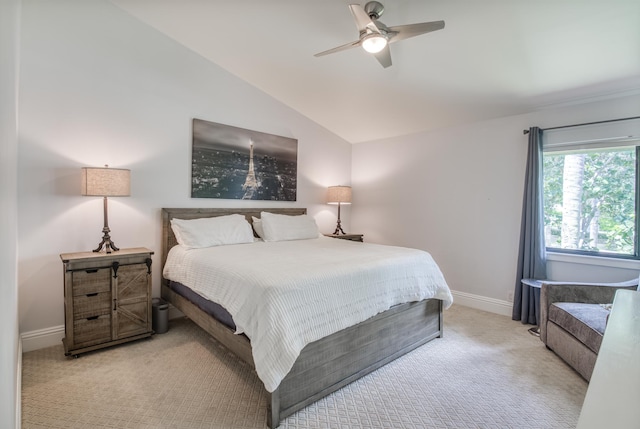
(330, 363)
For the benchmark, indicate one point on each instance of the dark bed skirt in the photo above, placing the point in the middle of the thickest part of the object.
(211, 308)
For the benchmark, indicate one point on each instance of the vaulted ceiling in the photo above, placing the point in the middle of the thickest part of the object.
(493, 58)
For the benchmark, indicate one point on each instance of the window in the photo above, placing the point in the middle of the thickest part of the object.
(591, 190)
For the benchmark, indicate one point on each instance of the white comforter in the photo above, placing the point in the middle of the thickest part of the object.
(284, 295)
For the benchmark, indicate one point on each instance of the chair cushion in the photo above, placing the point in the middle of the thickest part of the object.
(586, 322)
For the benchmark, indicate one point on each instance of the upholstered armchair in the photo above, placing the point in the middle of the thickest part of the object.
(573, 317)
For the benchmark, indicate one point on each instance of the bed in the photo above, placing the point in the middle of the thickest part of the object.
(323, 365)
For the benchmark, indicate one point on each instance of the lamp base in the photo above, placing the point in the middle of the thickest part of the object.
(106, 242)
(338, 226)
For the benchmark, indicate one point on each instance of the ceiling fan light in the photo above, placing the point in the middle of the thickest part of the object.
(374, 43)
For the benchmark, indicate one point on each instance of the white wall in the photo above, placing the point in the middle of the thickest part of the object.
(457, 193)
(99, 87)
(9, 339)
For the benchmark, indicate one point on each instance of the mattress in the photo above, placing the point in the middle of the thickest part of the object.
(285, 295)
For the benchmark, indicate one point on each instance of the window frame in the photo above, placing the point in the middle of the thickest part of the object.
(636, 239)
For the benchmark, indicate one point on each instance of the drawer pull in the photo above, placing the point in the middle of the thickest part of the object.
(92, 294)
(92, 317)
(91, 271)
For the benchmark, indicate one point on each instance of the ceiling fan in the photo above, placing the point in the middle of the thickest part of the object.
(375, 37)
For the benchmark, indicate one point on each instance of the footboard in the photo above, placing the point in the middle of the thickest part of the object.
(331, 363)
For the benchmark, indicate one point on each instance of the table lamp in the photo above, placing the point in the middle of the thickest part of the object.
(339, 195)
(106, 182)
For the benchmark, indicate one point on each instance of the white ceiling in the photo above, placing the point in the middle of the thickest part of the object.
(493, 58)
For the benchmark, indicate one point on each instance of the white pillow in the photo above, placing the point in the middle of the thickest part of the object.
(278, 227)
(257, 226)
(212, 231)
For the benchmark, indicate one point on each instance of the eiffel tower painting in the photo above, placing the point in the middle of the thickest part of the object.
(236, 163)
(251, 185)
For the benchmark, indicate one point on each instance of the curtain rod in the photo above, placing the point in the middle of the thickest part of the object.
(586, 123)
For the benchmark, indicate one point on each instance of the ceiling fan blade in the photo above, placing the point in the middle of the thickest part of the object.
(384, 57)
(363, 22)
(338, 48)
(411, 30)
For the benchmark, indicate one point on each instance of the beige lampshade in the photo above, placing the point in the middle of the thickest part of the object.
(106, 182)
(339, 194)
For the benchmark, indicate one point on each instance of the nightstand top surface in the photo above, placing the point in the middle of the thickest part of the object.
(76, 256)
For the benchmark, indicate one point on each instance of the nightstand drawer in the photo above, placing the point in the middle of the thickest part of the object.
(91, 304)
(91, 281)
(92, 330)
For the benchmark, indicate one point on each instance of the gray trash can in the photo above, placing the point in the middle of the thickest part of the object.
(160, 315)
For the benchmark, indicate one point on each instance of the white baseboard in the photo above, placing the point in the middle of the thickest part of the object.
(483, 303)
(48, 337)
(42, 338)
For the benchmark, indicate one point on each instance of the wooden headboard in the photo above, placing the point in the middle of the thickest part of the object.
(169, 239)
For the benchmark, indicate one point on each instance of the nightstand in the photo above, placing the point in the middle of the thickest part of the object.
(107, 298)
(350, 237)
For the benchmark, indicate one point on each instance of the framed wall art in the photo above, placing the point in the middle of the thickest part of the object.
(236, 163)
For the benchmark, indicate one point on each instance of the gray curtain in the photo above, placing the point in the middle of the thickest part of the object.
(532, 255)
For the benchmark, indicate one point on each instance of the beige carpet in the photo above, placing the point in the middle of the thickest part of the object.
(487, 372)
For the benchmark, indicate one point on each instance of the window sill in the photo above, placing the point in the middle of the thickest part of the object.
(632, 264)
